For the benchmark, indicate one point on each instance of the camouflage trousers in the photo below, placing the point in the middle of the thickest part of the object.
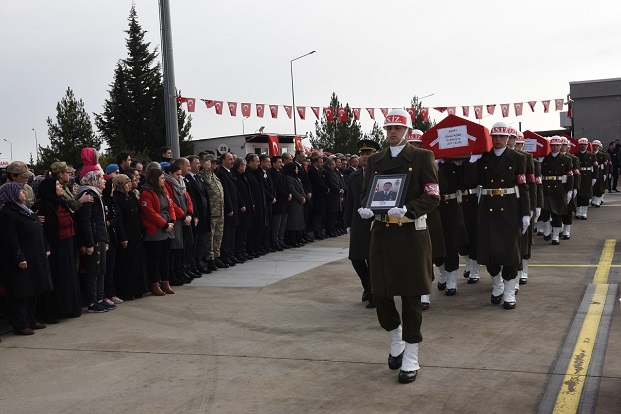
(214, 238)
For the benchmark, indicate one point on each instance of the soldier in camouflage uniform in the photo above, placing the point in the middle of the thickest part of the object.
(216, 201)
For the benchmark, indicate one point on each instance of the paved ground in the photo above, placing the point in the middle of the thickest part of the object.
(287, 333)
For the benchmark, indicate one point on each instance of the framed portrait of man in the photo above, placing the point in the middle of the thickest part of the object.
(387, 191)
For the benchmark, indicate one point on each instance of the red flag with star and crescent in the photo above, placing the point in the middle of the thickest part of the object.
(329, 112)
(412, 112)
(517, 107)
(315, 110)
(465, 111)
(342, 114)
(274, 111)
(301, 112)
(504, 108)
(478, 111)
(298, 143)
(371, 112)
(288, 109)
(491, 108)
(546, 105)
(424, 114)
(245, 108)
(532, 105)
(384, 111)
(209, 103)
(260, 110)
(272, 140)
(233, 108)
(356, 113)
(219, 107)
(559, 104)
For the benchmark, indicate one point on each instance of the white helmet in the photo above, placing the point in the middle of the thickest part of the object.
(597, 142)
(415, 136)
(556, 140)
(512, 131)
(582, 141)
(398, 117)
(565, 141)
(520, 138)
(500, 128)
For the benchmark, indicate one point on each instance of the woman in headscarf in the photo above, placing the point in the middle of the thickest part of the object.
(118, 239)
(157, 217)
(295, 208)
(23, 256)
(59, 229)
(129, 272)
(94, 240)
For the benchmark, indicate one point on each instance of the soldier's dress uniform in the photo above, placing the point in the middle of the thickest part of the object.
(470, 207)
(450, 178)
(216, 202)
(571, 207)
(589, 171)
(527, 237)
(504, 201)
(599, 188)
(557, 176)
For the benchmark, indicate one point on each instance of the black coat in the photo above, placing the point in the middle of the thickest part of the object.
(92, 222)
(282, 193)
(231, 202)
(320, 190)
(360, 236)
(246, 199)
(200, 201)
(23, 240)
(262, 196)
(450, 178)
(303, 176)
(333, 198)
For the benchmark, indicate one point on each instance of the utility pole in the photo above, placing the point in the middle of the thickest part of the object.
(168, 71)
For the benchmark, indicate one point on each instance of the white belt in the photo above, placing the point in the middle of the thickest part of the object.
(497, 191)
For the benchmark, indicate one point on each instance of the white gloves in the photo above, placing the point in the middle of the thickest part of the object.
(593, 181)
(537, 213)
(525, 223)
(605, 176)
(575, 191)
(365, 213)
(458, 162)
(570, 193)
(397, 212)
(475, 157)
(349, 231)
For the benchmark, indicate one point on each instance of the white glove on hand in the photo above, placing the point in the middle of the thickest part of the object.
(537, 213)
(475, 157)
(525, 223)
(458, 162)
(575, 191)
(397, 212)
(605, 176)
(365, 213)
(593, 181)
(609, 177)
(569, 195)
(349, 231)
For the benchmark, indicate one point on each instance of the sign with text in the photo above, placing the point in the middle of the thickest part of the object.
(453, 137)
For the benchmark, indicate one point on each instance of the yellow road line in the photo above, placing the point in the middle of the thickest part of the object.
(568, 398)
(605, 260)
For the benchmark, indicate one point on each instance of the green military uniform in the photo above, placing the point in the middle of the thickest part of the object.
(599, 188)
(589, 171)
(216, 202)
(557, 176)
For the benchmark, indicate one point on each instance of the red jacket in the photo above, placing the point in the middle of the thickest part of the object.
(150, 217)
(178, 212)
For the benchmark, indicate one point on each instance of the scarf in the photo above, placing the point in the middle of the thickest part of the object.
(179, 191)
(9, 193)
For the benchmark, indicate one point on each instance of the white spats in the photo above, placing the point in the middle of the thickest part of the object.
(397, 345)
(410, 358)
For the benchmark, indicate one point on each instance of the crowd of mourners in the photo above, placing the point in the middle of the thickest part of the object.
(87, 240)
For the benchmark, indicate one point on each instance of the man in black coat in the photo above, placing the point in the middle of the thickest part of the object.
(246, 209)
(231, 204)
(279, 208)
(300, 158)
(319, 190)
(333, 197)
(202, 213)
(261, 207)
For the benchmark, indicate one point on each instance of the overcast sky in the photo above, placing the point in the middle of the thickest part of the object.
(371, 53)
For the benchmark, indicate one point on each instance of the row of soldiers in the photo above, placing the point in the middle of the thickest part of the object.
(480, 197)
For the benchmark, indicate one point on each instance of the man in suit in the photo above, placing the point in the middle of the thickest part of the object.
(400, 255)
(320, 190)
(231, 214)
(300, 157)
(359, 230)
(202, 213)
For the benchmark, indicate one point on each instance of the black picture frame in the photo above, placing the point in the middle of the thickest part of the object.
(380, 200)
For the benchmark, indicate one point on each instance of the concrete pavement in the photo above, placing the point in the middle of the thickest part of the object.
(287, 333)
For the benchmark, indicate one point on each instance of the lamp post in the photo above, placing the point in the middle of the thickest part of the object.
(295, 130)
(244, 129)
(36, 145)
(11, 144)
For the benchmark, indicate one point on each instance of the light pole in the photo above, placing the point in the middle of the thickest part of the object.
(426, 96)
(244, 129)
(11, 144)
(36, 145)
(295, 130)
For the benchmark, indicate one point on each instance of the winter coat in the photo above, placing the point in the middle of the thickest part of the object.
(360, 235)
(91, 221)
(295, 208)
(150, 216)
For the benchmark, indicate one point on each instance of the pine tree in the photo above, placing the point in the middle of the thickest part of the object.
(133, 119)
(377, 135)
(335, 136)
(71, 132)
(420, 124)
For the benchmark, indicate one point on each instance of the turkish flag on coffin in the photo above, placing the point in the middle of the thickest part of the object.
(272, 141)
(536, 144)
(457, 137)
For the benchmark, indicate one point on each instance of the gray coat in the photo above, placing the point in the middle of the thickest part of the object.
(295, 208)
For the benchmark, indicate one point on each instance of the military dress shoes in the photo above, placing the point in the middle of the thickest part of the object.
(394, 363)
(556, 242)
(466, 274)
(565, 236)
(523, 281)
(212, 266)
(220, 264)
(472, 280)
(370, 303)
(424, 305)
(405, 377)
(450, 292)
(548, 237)
(509, 305)
(496, 299)
(441, 286)
(365, 296)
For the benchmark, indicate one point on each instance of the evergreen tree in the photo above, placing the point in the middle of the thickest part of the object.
(335, 136)
(377, 135)
(420, 124)
(71, 132)
(133, 119)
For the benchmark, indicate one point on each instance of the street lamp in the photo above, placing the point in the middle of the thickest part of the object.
(243, 129)
(295, 130)
(426, 96)
(36, 145)
(11, 144)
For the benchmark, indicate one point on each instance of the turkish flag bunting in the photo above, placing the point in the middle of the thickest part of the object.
(272, 140)
(245, 107)
(315, 111)
(465, 110)
(329, 112)
(412, 112)
(288, 110)
(505, 109)
(451, 110)
(532, 105)
(478, 111)
(181, 99)
(518, 108)
(384, 111)
(209, 103)
(559, 104)
(219, 107)
(233, 108)
(371, 112)
(260, 110)
(274, 111)
(424, 114)
(342, 116)
(440, 109)
(301, 112)
(356, 113)
(191, 104)
(490, 109)
(546, 105)
(298, 143)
